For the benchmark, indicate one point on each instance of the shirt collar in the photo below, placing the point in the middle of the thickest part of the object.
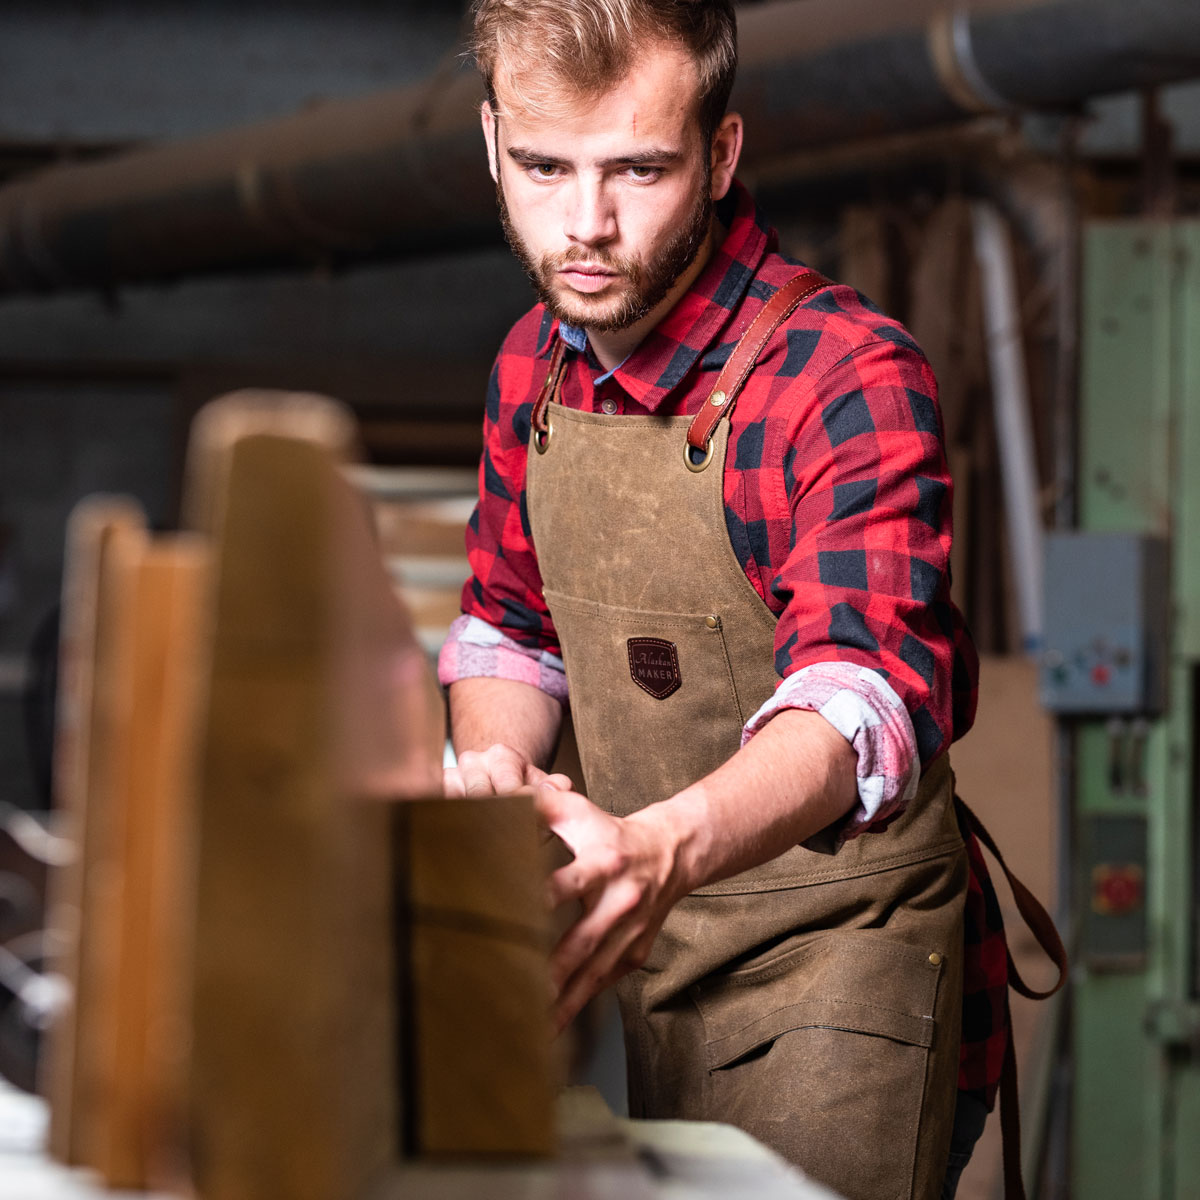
(671, 349)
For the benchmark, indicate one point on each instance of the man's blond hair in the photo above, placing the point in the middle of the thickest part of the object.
(553, 51)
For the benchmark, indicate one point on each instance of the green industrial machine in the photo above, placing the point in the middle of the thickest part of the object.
(1122, 668)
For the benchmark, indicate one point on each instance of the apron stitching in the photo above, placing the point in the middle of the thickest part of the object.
(874, 867)
(749, 976)
(840, 1001)
(931, 1063)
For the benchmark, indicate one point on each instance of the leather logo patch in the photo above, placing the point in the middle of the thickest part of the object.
(654, 665)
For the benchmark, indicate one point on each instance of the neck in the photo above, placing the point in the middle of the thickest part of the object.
(613, 348)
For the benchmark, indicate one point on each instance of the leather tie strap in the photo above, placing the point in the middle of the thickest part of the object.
(1042, 927)
(1034, 915)
(745, 354)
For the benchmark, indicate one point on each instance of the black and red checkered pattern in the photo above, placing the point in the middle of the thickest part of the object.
(837, 505)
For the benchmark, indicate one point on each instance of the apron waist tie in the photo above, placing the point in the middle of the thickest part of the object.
(1039, 923)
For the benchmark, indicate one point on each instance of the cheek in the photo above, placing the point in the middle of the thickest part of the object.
(666, 210)
(532, 209)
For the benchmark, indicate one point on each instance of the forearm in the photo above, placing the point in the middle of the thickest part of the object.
(790, 781)
(486, 712)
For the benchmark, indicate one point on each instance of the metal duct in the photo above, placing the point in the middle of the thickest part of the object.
(402, 173)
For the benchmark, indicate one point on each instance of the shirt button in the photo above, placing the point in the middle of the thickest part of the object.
(609, 406)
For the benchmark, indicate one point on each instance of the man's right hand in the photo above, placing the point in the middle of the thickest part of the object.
(498, 770)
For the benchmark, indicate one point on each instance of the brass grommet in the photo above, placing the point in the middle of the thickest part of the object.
(697, 466)
(935, 960)
(717, 398)
(541, 439)
(712, 622)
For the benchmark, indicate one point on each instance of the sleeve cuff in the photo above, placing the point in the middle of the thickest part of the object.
(861, 705)
(476, 649)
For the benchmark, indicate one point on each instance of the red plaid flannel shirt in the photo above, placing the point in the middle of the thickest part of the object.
(837, 504)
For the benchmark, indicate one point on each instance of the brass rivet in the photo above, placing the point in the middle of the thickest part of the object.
(717, 398)
(935, 960)
(711, 622)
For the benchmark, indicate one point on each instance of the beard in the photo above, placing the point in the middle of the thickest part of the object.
(641, 285)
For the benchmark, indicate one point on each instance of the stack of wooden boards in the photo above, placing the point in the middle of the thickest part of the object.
(283, 980)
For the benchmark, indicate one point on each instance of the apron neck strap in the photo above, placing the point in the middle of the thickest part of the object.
(550, 387)
(745, 354)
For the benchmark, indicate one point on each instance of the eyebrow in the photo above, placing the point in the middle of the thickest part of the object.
(642, 158)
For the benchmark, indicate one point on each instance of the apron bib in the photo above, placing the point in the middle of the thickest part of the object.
(814, 1001)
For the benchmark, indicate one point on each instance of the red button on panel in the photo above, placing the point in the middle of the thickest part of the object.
(1100, 675)
(1117, 889)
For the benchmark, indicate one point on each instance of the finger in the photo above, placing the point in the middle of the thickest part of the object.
(571, 1002)
(611, 961)
(536, 777)
(505, 769)
(487, 774)
(570, 882)
(597, 940)
(452, 782)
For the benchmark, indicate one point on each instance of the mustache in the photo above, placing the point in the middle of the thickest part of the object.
(596, 256)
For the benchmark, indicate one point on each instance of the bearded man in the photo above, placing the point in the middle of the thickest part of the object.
(714, 516)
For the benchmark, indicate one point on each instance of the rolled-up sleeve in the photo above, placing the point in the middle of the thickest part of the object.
(866, 579)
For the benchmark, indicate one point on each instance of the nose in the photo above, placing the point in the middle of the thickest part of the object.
(591, 218)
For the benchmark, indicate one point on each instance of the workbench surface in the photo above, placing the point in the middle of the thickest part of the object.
(608, 1159)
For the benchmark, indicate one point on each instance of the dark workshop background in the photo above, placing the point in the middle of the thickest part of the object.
(105, 357)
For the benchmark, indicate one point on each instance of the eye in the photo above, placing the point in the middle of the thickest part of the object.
(641, 173)
(543, 170)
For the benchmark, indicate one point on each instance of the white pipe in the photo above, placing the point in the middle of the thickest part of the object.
(1010, 404)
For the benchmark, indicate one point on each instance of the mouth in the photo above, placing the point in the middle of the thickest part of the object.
(587, 277)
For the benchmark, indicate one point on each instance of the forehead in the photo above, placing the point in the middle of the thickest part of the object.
(656, 101)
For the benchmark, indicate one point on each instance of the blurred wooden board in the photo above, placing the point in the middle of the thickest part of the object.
(480, 1079)
(292, 1083)
(93, 692)
(132, 621)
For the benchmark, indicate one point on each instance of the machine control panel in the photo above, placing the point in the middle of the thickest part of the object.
(1106, 623)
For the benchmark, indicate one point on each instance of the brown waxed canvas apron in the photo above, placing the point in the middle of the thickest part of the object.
(814, 1001)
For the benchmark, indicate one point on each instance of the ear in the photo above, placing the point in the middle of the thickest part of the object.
(489, 136)
(726, 150)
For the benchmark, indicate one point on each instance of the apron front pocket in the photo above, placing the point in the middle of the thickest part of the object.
(652, 698)
(824, 1052)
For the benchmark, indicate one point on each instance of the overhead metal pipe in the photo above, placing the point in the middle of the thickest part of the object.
(402, 173)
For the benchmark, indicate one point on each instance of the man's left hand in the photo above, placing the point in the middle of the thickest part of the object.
(626, 876)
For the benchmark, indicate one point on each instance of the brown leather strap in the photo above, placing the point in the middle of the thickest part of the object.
(745, 354)
(1010, 1120)
(1034, 915)
(550, 387)
(1042, 927)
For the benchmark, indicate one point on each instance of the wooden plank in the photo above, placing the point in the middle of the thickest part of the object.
(83, 895)
(321, 708)
(481, 1075)
(147, 1040)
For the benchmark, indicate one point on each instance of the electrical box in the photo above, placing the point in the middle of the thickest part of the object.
(1105, 642)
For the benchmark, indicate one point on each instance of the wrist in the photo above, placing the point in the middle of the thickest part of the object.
(680, 829)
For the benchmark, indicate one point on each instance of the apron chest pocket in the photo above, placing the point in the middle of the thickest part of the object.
(652, 695)
(844, 1023)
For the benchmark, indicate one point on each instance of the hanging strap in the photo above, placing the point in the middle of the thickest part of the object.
(745, 354)
(1032, 913)
(1038, 921)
